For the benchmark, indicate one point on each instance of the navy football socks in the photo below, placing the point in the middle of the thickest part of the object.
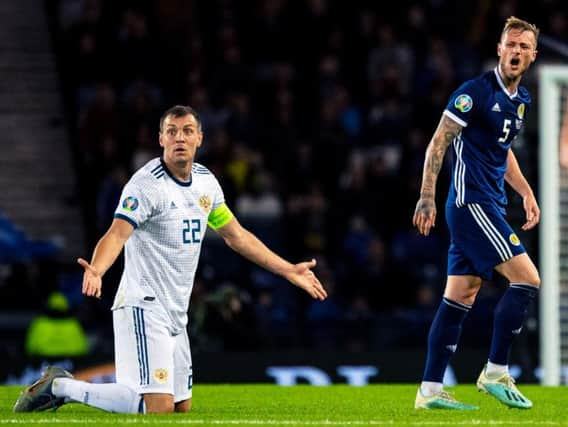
(443, 338)
(508, 322)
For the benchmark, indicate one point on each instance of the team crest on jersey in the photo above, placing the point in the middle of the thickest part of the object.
(514, 239)
(205, 203)
(130, 204)
(521, 111)
(161, 376)
(463, 103)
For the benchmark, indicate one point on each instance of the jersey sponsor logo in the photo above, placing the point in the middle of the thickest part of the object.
(463, 103)
(514, 239)
(517, 331)
(161, 376)
(521, 111)
(496, 108)
(130, 204)
(205, 203)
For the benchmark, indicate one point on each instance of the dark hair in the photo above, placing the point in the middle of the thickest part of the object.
(180, 111)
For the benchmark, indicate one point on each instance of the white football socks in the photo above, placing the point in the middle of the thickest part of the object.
(110, 397)
(429, 388)
(494, 370)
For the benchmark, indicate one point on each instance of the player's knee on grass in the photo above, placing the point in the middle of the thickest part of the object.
(183, 406)
(157, 403)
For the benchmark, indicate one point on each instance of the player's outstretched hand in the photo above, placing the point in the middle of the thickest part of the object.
(92, 281)
(303, 277)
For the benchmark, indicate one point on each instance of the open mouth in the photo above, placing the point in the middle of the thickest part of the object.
(515, 61)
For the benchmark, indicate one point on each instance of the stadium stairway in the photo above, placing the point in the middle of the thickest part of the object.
(37, 179)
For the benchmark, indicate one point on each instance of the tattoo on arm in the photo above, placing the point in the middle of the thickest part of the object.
(445, 133)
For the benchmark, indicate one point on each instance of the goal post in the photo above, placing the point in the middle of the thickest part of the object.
(552, 79)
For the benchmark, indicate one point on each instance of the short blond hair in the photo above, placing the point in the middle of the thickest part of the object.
(514, 23)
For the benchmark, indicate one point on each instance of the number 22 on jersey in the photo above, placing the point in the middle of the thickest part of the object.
(191, 231)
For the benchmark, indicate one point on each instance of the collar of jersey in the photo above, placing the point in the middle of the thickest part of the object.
(500, 81)
(171, 175)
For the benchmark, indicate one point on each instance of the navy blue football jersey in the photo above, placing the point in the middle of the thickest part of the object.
(491, 120)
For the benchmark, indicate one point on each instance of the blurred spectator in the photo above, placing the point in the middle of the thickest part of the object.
(229, 320)
(390, 63)
(57, 333)
(274, 320)
(260, 209)
(109, 196)
(325, 319)
(242, 125)
(16, 246)
(359, 324)
(137, 50)
(99, 130)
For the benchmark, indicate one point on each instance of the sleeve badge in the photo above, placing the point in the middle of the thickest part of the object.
(130, 204)
(463, 103)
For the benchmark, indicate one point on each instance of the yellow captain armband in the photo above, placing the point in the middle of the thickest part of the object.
(219, 217)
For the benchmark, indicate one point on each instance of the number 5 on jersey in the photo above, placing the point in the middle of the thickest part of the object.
(506, 130)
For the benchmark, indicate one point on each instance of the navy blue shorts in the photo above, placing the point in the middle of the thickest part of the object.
(480, 239)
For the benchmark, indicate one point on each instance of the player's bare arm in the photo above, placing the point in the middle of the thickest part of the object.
(248, 245)
(516, 179)
(107, 250)
(425, 214)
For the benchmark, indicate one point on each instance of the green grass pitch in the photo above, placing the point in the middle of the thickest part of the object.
(336, 405)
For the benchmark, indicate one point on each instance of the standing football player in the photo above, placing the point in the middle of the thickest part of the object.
(480, 123)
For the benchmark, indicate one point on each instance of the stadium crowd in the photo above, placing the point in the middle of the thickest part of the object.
(316, 116)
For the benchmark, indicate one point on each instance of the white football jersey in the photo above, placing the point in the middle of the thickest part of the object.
(161, 255)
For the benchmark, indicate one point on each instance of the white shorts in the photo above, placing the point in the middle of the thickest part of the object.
(146, 354)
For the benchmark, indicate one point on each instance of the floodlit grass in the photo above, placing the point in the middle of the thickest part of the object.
(337, 405)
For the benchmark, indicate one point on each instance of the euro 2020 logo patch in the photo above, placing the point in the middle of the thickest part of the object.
(514, 239)
(463, 103)
(130, 204)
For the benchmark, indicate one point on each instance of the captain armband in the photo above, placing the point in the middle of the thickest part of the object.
(219, 217)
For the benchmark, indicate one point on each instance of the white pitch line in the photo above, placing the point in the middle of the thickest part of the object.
(157, 421)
